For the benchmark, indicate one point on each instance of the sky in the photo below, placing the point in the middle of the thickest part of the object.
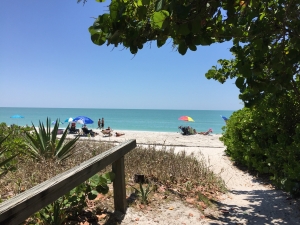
(47, 59)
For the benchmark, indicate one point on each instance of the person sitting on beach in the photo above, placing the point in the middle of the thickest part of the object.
(187, 130)
(87, 131)
(107, 131)
(191, 130)
(118, 134)
(206, 132)
(73, 129)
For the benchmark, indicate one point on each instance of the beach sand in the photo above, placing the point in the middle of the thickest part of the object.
(249, 201)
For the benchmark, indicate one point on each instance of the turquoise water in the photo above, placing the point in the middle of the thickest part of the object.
(122, 119)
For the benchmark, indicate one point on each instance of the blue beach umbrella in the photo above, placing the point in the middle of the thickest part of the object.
(17, 116)
(224, 118)
(83, 119)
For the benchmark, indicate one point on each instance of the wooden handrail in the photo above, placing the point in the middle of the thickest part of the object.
(20, 207)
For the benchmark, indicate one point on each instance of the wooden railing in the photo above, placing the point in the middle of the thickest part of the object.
(20, 207)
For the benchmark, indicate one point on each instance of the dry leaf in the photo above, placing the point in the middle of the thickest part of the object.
(161, 189)
(101, 217)
(203, 205)
(190, 200)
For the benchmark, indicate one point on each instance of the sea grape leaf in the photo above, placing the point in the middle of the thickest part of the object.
(240, 82)
(113, 8)
(98, 38)
(192, 47)
(110, 176)
(103, 189)
(182, 48)
(158, 18)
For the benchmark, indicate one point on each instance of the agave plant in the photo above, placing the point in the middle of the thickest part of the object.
(44, 144)
(5, 158)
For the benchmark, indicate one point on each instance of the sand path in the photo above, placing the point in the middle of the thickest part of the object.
(249, 201)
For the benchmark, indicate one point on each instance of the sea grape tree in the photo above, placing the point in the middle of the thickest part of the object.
(265, 36)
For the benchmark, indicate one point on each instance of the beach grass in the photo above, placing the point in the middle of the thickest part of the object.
(170, 175)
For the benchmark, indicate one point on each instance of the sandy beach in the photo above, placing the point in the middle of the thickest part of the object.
(249, 201)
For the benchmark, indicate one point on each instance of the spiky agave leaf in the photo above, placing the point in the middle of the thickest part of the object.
(64, 151)
(36, 145)
(46, 144)
(54, 131)
(63, 137)
(33, 145)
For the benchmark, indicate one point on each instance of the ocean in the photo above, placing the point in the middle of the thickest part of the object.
(121, 119)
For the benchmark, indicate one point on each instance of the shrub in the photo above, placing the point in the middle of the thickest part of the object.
(266, 138)
(6, 158)
(15, 137)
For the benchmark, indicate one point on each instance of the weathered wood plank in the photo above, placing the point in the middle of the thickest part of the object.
(119, 185)
(20, 207)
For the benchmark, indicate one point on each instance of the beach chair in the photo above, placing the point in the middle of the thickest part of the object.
(187, 130)
(184, 130)
(86, 132)
(73, 129)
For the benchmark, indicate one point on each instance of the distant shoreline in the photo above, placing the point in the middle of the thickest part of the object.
(23, 107)
(123, 119)
(168, 139)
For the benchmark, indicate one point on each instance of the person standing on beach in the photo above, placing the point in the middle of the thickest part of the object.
(102, 122)
(99, 124)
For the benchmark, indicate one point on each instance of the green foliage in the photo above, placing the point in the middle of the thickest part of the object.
(15, 137)
(44, 144)
(158, 18)
(265, 66)
(266, 46)
(12, 144)
(265, 49)
(72, 203)
(53, 214)
(6, 158)
(132, 23)
(143, 193)
(266, 138)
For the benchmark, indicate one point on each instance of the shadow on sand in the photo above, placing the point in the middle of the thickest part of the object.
(266, 207)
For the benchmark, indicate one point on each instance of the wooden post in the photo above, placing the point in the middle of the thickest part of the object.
(119, 185)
